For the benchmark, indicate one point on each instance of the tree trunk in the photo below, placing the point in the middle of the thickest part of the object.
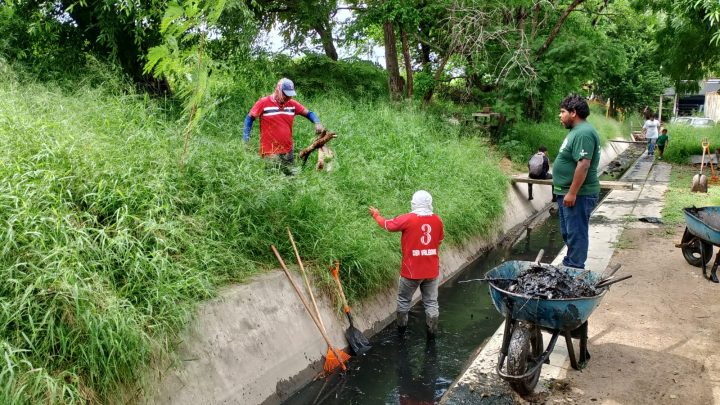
(600, 10)
(327, 40)
(408, 62)
(391, 61)
(535, 18)
(556, 28)
(520, 19)
(429, 94)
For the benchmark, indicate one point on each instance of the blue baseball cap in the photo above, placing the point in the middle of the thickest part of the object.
(288, 87)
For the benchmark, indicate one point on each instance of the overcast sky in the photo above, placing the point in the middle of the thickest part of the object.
(273, 42)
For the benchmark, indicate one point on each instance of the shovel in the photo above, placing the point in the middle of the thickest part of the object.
(700, 181)
(334, 359)
(358, 342)
(331, 359)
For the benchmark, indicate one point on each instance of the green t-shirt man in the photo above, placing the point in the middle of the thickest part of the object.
(581, 143)
(662, 139)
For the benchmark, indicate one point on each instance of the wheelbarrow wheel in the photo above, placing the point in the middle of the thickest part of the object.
(523, 351)
(691, 251)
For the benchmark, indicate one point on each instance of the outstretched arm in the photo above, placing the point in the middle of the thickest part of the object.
(314, 119)
(392, 225)
(248, 127)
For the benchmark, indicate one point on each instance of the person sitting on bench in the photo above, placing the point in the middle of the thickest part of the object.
(538, 168)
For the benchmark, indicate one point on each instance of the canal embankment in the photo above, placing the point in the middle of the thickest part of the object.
(255, 343)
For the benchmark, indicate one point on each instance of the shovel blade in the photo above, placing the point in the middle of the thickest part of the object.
(699, 183)
(359, 344)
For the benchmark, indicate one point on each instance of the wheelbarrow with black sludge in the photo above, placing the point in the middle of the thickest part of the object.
(522, 354)
(702, 231)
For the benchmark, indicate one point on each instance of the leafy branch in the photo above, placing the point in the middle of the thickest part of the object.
(181, 58)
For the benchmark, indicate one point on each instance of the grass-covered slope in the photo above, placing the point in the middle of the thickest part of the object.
(686, 141)
(107, 244)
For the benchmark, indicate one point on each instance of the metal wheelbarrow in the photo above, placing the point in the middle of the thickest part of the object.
(522, 354)
(702, 231)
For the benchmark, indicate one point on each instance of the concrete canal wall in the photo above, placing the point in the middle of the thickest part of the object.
(255, 343)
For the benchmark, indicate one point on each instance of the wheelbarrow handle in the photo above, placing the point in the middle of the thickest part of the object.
(608, 283)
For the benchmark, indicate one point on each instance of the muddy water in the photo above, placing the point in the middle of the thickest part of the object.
(411, 370)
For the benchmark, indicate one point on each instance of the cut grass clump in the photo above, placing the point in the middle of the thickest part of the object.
(108, 244)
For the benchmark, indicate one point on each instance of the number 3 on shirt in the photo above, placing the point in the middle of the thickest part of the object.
(425, 238)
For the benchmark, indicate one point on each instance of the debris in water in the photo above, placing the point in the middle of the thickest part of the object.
(549, 282)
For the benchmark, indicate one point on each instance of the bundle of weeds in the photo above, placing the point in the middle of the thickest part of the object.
(108, 244)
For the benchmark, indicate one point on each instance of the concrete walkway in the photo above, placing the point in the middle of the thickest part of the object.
(480, 384)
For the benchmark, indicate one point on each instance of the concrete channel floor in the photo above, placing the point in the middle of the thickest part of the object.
(480, 384)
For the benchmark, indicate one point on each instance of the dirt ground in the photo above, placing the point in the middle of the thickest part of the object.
(654, 338)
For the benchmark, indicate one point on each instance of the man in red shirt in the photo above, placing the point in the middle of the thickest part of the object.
(277, 113)
(422, 233)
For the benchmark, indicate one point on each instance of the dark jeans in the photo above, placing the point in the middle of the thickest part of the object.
(547, 176)
(574, 228)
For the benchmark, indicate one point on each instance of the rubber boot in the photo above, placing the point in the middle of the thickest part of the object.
(432, 326)
(530, 190)
(402, 321)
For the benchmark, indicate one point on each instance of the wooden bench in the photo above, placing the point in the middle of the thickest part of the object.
(612, 185)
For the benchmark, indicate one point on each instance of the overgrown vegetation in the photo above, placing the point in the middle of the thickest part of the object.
(522, 139)
(109, 242)
(108, 245)
(686, 141)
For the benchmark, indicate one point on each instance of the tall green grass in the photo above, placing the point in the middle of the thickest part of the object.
(686, 141)
(524, 138)
(108, 245)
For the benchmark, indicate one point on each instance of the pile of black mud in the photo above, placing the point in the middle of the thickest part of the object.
(706, 217)
(550, 282)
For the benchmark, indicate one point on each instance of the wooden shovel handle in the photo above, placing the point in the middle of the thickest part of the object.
(336, 277)
(307, 307)
(307, 282)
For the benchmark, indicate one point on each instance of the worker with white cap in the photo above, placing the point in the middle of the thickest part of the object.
(422, 233)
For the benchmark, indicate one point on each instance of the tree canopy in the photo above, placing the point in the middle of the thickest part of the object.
(518, 56)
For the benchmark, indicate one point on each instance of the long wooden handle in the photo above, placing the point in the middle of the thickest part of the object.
(337, 281)
(307, 282)
(307, 307)
(608, 283)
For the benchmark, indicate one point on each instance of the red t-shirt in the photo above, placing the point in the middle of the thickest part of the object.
(276, 123)
(420, 241)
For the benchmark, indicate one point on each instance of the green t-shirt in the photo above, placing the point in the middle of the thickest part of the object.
(581, 143)
(662, 140)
